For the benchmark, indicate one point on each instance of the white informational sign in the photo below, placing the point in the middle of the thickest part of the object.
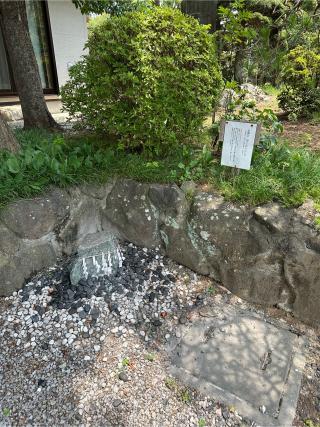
(238, 142)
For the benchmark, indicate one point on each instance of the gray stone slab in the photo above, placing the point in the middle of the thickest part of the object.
(98, 255)
(244, 361)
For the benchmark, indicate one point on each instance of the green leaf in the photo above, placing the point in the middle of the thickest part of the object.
(55, 166)
(35, 186)
(39, 160)
(6, 412)
(13, 165)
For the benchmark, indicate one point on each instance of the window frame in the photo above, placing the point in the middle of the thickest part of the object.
(50, 91)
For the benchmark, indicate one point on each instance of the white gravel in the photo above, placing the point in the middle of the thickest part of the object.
(57, 368)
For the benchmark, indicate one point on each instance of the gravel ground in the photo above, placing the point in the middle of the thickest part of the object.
(94, 354)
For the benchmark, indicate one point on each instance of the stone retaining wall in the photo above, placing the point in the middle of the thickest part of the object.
(269, 255)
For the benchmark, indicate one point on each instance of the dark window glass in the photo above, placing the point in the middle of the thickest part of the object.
(39, 33)
(5, 83)
(39, 36)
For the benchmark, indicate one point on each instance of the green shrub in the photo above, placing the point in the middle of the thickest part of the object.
(270, 90)
(300, 101)
(301, 68)
(301, 77)
(150, 79)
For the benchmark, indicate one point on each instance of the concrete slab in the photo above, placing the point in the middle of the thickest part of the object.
(14, 112)
(241, 359)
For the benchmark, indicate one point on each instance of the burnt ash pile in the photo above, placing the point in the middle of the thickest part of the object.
(137, 271)
(138, 297)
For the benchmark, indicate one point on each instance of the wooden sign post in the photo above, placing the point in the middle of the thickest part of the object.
(238, 139)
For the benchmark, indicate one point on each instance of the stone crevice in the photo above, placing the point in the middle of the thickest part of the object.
(264, 222)
(289, 303)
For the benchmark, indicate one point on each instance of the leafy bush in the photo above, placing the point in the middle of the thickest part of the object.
(301, 68)
(301, 77)
(300, 101)
(150, 79)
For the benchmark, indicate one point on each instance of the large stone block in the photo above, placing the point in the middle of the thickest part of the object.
(244, 246)
(32, 219)
(33, 256)
(131, 212)
(258, 279)
(9, 242)
(302, 271)
(169, 200)
(11, 276)
(179, 240)
(97, 191)
(185, 247)
(275, 217)
(302, 265)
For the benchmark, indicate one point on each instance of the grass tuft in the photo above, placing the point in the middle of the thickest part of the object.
(284, 174)
(271, 90)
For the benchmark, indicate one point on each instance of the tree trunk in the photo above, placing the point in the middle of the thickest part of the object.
(238, 66)
(7, 138)
(13, 19)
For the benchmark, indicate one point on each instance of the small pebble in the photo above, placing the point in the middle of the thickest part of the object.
(123, 377)
(116, 403)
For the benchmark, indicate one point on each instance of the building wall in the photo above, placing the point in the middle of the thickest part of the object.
(69, 34)
(203, 10)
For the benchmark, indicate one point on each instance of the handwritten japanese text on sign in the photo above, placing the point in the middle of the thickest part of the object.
(238, 142)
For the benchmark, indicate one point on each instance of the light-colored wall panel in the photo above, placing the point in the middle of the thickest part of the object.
(69, 34)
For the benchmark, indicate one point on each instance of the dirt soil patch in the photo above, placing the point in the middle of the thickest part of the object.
(302, 134)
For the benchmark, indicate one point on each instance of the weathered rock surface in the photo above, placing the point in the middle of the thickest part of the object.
(130, 210)
(268, 254)
(31, 257)
(252, 93)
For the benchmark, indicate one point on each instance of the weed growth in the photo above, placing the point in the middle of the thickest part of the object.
(6, 412)
(185, 396)
(171, 383)
(125, 362)
(151, 357)
(271, 90)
